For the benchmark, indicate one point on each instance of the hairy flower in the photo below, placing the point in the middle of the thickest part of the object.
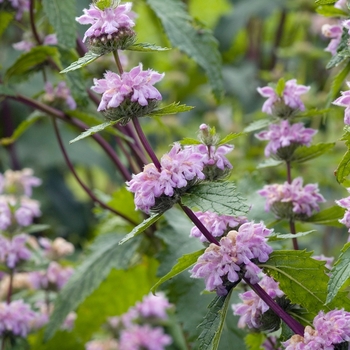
(60, 94)
(231, 260)
(153, 306)
(13, 251)
(302, 200)
(334, 32)
(344, 203)
(284, 134)
(216, 224)
(253, 306)
(216, 155)
(344, 101)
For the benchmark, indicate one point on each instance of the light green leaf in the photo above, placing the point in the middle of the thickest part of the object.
(280, 87)
(277, 236)
(340, 273)
(330, 11)
(270, 162)
(213, 323)
(230, 137)
(343, 169)
(328, 217)
(337, 82)
(219, 197)
(61, 15)
(189, 141)
(325, 2)
(191, 38)
(257, 125)
(254, 341)
(173, 108)
(313, 112)
(21, 128)
(106, 254)
(146, 47)
(31, 61)
(103, 4)
(82, 62)
(5, 20)
(303, 154)
(94, 130)
(142, 227)
(182, 264)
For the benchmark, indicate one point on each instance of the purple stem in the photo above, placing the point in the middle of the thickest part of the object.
(32, 22)
(199, 224)
(294, 325)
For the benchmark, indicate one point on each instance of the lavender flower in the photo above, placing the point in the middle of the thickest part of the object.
(26, 45)
(216, 155)
(153, 306)
(344, 203)
(60, 95)
(216, 224)
(144, 337)
(290, 97)
(328, 260)
(334, 32)
(16, 318)
(226, 264)
(5, 213)
(292, 199)
(344, 101)
(27, 211)
(253, 306)
(56, 249)
(19, 5)
(14, 251)
(284, 134)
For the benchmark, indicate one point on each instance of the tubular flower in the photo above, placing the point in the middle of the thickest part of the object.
(223, 266)
(334, 32)
(253, 306)
(330, 329)
(289, 200)
(153, 306)
(344, 101)
(345, 203)
(284, 134)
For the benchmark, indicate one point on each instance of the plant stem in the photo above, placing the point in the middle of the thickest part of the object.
(117, 61)
(86, 188)
(32, 22)
(294, 325)
(199, 224)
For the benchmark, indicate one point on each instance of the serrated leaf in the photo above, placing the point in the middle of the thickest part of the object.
(5, 20)
(278, 236)
(146, 47)
(304, 153)
(191, 38)
(61, 15)
(173, 108)
(257, 125)
(142, 227)
(21, 128)
(230, 137)
(342, 51)
(94, 130)
(189, 141)
(219, 197)
(325, 2)
(106, 254)
(270, 162)
(82, 62)
(280, 87)
(31, 61)
(213, 323)
(328, 217)
(254, 341)
(7, 91)
(330, 11)
(182, 264)
(313, 112)
(339, 274)
(343, 169)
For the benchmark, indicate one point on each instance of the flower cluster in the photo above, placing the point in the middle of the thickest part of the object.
(59, 95)
(285, 134)
(141, 327)
(224, 265)
(26, 45)
(217, 225)
(344, 101)
(289, 99)
(253, 307)
(20, 6)
(330, 329)
(292, 200)
(345, 203)
(133, 92)
(13, 251)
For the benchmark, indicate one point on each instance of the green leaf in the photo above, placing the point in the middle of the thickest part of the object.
(325, 2)
(280, 87)
(37, 228)
(61, 15)
(257, 125)
(270, 162)
(182, 264)
(328, 217)
(304, 153)
(142, 227)
(173, 108)
(82, 62)
(7, 91)
(277, 236)
(5, 20)
(146, 47)
(213, 323)
(313, 112)
(340, 273)
(21, 128)
(103, 4)
(219, 197)
(342, 51)
(343, 169)
(330, 11)
(189, 141)
(32, 61)
(254, 341)
(191, 38)
(337, 82)
(230, 137)
(106, 254)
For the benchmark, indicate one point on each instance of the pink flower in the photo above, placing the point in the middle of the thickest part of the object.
(341, 5)
(328, 260)
(344, 101)
(153, 306)
(107, 21)
(284, 134)
(14, 250)
(136, 85)
(59, 93)
(334, 32)
(20, 5)
(216, 155)
(26, 46)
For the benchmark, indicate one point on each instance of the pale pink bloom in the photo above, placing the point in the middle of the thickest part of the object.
(13, 251)
(27, 211)
(341, 5)
(60, 92)
(20, 5)
(153, 306)
(56, 249)
(215, 155)
(333, 32)
(328, 260)
(26, 45)
(344, 101)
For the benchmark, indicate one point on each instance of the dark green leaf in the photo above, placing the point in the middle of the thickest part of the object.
(213, 323)
(337, 82)
(257, 125)
(5, 20)
(304, 153)
(142, 227)
(280, 87)
(330, 11)
(182, 264)
(106, 254)
(146, 47)
(343, 169)
(340, 273)
(219, 197)
(328, 217)
(61, 15)
(230, 137)
(94, 130)
(191, 38)
(254, 341)
(189, 141)
(32, 61)
(82, 62)
(342, 51)
(173, 108)
(270, 162)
